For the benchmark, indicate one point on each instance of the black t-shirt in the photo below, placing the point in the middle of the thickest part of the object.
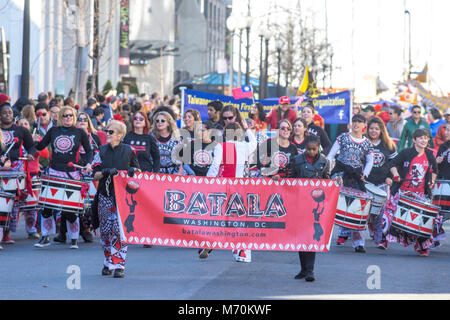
(147, 150)
(66, 144)
(25, 140)
(300, 146)
(382, 157)
(444, 166)
(275, 159)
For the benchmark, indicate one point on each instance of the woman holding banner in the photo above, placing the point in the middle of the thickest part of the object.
(231, 160)
(307, 113)
(112, 157)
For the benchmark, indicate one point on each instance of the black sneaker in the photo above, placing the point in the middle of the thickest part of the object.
(106, 271)
(44, 242)
(300, 275)
(119, 273)
(310, 277)
(360, 249)
(87, 236)
(60, 238)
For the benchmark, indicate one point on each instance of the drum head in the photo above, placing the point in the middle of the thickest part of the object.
(375, 190)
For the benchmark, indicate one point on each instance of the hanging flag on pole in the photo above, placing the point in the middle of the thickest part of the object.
(244, 92)
(308, 85)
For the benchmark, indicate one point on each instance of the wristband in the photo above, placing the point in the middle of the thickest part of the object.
(396, 178)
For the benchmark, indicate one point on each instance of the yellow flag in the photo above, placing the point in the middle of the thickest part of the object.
(305, 83)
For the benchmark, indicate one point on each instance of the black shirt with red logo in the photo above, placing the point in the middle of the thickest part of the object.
(146, 148)
(382, 157)
(275, 159)
(66, 144)
(25, 141)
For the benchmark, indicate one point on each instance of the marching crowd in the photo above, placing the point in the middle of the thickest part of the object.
(392, 149)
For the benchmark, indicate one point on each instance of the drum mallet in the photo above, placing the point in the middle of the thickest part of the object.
(73, 165)
(11, 146)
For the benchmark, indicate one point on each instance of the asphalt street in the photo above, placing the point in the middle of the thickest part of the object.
(168, 273)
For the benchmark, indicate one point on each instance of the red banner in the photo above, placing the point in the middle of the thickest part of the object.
(226, 213)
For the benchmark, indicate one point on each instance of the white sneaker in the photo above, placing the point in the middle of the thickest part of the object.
(74, 244)
(244, 256)
(44, 242)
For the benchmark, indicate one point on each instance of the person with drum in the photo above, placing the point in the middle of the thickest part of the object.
(83, 122)
(309, 165)
(353, 166)
(5, 164)
(19, 142)
(414, 173)
(33, 170)
(65, 140)
(443, 156)
(307, 113)
(112, 157)
(384, 151)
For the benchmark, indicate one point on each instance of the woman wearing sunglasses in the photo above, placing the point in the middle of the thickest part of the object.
(65, 140)
(164, 129)
(143, 143)
(277, 154)
(112, 157)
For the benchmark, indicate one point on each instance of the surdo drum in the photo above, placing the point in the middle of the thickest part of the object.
(6, 206)
(415, 216)
(379, 198)
(63, 194)
(353, 209)
(32, 200)
(11, 181)
(441, 197)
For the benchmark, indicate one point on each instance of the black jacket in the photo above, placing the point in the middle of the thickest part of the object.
(302, 169)
(324, 139)
(444, 166)
(403, 161)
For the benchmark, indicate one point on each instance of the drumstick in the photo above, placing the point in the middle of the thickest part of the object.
(12, 145)
(71, 164)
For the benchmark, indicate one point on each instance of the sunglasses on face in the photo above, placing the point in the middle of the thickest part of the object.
(228, 118)
(139, 118)
(82, 119)
(42, 114)
(416, 112)
(67, 116)
(285, 128)
(160, 120)
(110, 132)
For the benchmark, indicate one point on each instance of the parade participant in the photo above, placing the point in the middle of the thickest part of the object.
(191, 118)
(441, 136)
(396, 122)
(414, 172)
(214, 109)
(443, 156)
(144, 144)
(32, 169)
(384, 151)
(307, 113)
(84, 123)
(282, 111)
(230, 160)
(5, 164)
(309, 165)
(112, 157)
(258, 115)
(165, 131)
(230, 114)
(277, 154)
(368, 112)
(65, 140)
(354, 164)
(22, 145)
(44, 121)
(416, 122)
(299, 134)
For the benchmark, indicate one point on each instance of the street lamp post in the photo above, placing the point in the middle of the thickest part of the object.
(247, 58)
(25, 79)
(409, 44)
(279, 45)
(231, 26)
